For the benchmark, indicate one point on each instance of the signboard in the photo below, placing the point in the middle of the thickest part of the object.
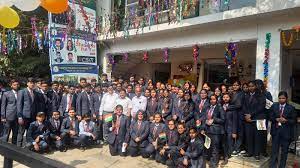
(73, 47)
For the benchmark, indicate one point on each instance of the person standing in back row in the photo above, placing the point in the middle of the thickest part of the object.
(9, 112)
(27, 104)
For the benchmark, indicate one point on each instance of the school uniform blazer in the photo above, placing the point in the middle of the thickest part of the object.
(9, 106)
(194, 150)
(176, 106)
(161, 128)
(219, 121)
(152, 108)
(161, 103)
(55, 99)
(231, 119)
(96, 102)
(130, 95)
(172, 138)
(187, 111)
(123, 134)
(35, 129)
(55, 131)
(198, 115)
(66, 126)
(286, 130)
(26, 107)
(195, 97)
(143, 133)
(83, 104)
(183, 140)
(44, 102)
(255, 106)
(237, 104)
(64, 103)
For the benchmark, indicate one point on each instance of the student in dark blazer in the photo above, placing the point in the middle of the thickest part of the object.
(54, 96)
(201, 106)
(195, 94)
(44, 100)
(230, 135)
(156, 128)
(139, 132)
(213, 127)
(183, 140)
(27, 104)
(83, 102)
(237, 104)
(38, 134)
(187, 109)
(255, 103)
(152, 105)
(283, 117)
(68, 101)
(9, 112)
(177, 103)
(165, 146)
(95, 103)
(165, 106)
(70, 129)
(118, 135)
(193, 155)
(55, 127)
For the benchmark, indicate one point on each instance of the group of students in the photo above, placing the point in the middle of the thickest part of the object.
(158, 121)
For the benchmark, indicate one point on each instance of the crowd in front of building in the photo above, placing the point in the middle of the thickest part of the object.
(174, 125)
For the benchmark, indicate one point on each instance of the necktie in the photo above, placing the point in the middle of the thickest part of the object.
(201, 106)
(117, 125)
(16, 95)
(154, 131)
(170, 139)
(70, 102)
(72, 124)
(31, 94)
(210, 112)
(139, 125)
(281, 110)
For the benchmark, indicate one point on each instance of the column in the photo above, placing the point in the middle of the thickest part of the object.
(201, 75)
(274, 59)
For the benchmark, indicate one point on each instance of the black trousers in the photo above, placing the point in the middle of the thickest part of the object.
(69, 140)
(254, 139)
(21, 131)
(134, 151)
(99, 129)
(213, 151)
(277, 143)
(8, 127)
(116, 149)
(240, 141)
(228, 144)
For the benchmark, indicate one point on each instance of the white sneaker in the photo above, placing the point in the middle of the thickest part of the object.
(243, 152)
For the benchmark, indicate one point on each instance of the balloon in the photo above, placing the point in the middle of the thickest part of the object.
(8, 3)
(27, 5)
(55, 6)
(9, 18)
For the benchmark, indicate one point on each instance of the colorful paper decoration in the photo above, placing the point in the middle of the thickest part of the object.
(55, 6)
(125, 57)
(266, 59)
(27, 5)
(166, 55)
(291, 39)
(230, 54)
(9, 18)
(195, 53)
(146, 56)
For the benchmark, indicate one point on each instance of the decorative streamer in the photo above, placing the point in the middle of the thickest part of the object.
(111, 60)
(195, 53)
(125, 57)
(146, 56)
(266, 59)
(166, 55)
(230, 54)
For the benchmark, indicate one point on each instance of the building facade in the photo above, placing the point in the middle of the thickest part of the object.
(210, 25)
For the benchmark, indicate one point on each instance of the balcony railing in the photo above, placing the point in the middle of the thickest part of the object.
(140, 14)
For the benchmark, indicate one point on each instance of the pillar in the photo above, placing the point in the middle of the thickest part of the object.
(201, 75)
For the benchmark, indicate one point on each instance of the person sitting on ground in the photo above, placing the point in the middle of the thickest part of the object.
(87, 133)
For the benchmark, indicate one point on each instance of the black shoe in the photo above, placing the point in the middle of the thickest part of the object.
(257, 158)
(225, 161)
(265, 154)
(247, 155)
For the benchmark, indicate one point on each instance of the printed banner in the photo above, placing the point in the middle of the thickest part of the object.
(73, 47)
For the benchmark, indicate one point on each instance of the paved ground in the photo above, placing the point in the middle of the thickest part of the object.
(100, 158)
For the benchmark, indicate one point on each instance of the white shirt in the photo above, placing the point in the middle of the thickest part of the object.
(108, 103)
(15, 93)
(126, 103)
(138, 103)
(68, 97)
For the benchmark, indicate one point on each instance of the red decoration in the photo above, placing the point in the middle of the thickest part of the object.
(146, 56)
(195, 53)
